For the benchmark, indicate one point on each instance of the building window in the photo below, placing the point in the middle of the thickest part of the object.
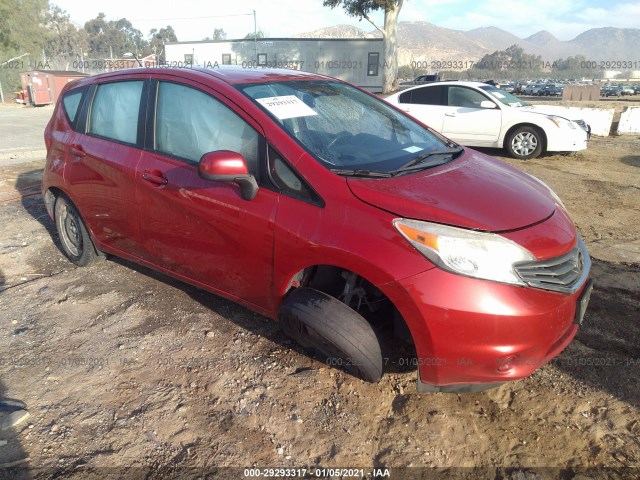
(226, 59)
(373, 64)
(188, 58)
(262, 59)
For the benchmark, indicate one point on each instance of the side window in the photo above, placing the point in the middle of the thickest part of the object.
(190, 123)
(405, 97)
(427, 96)
(115, 109)
(285, 179)
(71, 102)
(464, 97)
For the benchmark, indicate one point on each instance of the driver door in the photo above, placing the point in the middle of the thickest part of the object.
(467, 122)
(202, 230)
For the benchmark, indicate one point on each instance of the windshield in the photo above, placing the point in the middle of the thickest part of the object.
(504, 97)
(343, 127)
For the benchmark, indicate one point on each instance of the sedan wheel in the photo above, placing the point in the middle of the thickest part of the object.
(524, 143)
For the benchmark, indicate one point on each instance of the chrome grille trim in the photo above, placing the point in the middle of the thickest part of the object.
(565, 274)
(585, 126)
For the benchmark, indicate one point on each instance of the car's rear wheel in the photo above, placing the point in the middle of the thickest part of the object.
(334, 331)
(74, 237)
(524, 143)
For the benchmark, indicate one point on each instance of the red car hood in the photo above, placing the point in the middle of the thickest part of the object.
(474, 191)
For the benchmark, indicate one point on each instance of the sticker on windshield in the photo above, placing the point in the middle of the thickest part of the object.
(287, 106)
(413, 149)
(515, 104)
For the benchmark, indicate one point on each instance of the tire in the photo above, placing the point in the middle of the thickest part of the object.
(332, 330)
(74, 237)
(524, 143)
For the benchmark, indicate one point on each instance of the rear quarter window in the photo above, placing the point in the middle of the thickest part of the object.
(71, 104)
(431, 95)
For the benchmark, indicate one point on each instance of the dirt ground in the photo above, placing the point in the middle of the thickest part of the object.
(127, 372)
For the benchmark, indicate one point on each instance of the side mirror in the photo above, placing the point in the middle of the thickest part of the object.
(228, 166)
(487, 104)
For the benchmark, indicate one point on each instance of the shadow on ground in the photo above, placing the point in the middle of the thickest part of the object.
(14, 461)
(611, 332)
(631, 160)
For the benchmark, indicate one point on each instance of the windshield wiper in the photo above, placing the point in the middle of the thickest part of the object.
(427, 160)
(362, 172)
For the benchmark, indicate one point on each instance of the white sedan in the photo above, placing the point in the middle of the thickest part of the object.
(480, 115)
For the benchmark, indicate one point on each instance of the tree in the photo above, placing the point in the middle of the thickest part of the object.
(510, 63)
(219, 34)
(257, 35)
(64, 41)
(159, 38)
(362, 9)
(115, 38)
(22, 37)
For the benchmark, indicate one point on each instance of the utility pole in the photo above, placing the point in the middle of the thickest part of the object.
(255, 34)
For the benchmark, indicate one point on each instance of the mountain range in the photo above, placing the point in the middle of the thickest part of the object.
(419, 41)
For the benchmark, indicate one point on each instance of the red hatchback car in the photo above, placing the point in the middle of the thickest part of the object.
(315, 203)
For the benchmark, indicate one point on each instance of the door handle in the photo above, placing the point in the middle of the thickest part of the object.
(450, 114)
(78, 151)
(155, 176)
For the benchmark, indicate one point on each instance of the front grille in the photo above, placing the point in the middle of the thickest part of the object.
(564, 274)
(585, 126)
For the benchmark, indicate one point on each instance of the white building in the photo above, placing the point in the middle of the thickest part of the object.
(358, 61)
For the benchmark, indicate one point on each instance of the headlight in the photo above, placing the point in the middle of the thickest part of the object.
(559, 121)
(474, 254)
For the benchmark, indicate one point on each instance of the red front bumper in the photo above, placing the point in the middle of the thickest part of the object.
(470, 331)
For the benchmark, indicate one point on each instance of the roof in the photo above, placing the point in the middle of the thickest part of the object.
(448, 82)
(234, 74)
(230, 74)
(291, 39)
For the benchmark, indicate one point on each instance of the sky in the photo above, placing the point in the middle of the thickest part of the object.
(196, 19)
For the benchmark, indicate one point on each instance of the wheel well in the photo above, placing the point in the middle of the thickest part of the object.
(543, 136)
(359, 294)
(50, 198)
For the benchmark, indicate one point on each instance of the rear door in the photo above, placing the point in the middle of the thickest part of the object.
(198, 229)
(426, 104)
(466, 122)
(103, 157)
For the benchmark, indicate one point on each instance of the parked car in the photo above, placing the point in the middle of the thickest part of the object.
(611, 91)
(479, 115)
(423, 79)
(552, 90)
(508, 87)
(533, 89)
(627, 90)
(319, 205)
